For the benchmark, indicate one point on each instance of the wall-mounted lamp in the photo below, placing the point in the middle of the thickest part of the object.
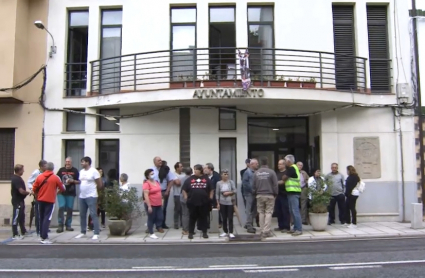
(39, 24)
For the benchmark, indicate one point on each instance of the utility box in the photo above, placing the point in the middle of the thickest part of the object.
(404, 94)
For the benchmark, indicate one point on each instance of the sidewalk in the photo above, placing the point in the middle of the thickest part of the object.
(172, 236)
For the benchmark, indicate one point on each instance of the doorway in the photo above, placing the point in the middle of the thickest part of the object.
(222, 43)
(275, 138)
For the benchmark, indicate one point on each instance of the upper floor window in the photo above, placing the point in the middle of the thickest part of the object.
(109, 124)
(261, 40)
(183, 42)
(76, 122)
(7, 150)
(76, 65)
(110, 50)
(379, 56)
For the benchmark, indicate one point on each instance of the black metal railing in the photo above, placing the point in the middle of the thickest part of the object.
(213, 67)
(75, 79)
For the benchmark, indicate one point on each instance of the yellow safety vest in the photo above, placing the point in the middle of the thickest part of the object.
(293, 184)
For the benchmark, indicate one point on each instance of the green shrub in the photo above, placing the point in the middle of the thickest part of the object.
(320, 199)
(122, 205)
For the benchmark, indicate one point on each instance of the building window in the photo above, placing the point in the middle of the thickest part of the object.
(75, 150)
(75, 121)
(109, 156)
(110, 47)
(7, 151)
(183, 43)
(76, 66)
(227, 119)
(379, 58)
(344, 47)
(108, 124)
(261, 41)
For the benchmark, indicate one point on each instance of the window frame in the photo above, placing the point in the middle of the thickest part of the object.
(228, 111)
(3, 172)
(183, 24)
(68, 79)
(100, 119)
(269, 23)
(108, 26)
(99, 142)
(67, 120)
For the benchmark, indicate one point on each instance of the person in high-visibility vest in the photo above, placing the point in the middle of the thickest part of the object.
(293, 189)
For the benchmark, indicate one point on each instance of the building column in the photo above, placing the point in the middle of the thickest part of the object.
(328, 141)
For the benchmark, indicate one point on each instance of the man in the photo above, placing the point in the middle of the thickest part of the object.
(90, 182)
(247, 162)
(293, 189)
(304, 193)
(41, 168)
(45, 187)
(178, 167)
(166, 185)
(336, 180)
(265, 190)
(281, 205)
(185, 210)
(19, 193)
(69, 176)
(124, 185)
(251, 207)
(214, 177)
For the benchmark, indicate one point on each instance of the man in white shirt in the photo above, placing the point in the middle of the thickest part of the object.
(90, 182)
(41, 168)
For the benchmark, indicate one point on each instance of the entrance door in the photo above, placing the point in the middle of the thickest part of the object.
(275, 155)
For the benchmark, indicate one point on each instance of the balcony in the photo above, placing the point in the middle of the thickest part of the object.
(219, 67)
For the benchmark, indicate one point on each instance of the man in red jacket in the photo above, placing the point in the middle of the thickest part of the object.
(45, 188)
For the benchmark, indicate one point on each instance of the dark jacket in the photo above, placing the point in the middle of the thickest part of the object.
(214, 179)
(350, 183)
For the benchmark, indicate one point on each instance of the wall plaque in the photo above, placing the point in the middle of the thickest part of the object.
(367, 157)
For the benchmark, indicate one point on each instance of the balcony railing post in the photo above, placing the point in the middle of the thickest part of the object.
(365, 75)
(321, 69)
(195, 73)
(91, 78)
(134, 75)
(261, 67)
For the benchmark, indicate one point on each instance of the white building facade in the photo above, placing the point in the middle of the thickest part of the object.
(167, 77)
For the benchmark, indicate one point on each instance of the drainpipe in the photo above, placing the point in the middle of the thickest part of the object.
(419, 98)
(402, 169)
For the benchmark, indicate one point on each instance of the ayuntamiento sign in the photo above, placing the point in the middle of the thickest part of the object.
(228, 93)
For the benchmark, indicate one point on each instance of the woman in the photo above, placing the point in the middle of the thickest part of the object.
(352, 194)
(153, 203)
(316, 182)
(224, 192)
(198, 193)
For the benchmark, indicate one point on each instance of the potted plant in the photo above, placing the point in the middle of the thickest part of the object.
(319, 202)
(278, 82)
(122, 207)
(309, 83)
(192, 82)
(179, 83)
(293, 83)
(208, 80)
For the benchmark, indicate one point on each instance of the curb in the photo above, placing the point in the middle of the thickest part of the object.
(227, 241)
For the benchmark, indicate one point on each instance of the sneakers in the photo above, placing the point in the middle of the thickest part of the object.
(18, 237)
(190, 236)
(59, 230)
(352, 226)
(231, 235)
(223, 235)
(46, 241)
(153, 236)
(291, 231)
(251, 230)
(95, 237)
(80, 236)
(297, 233)
(285, 231)
(205, 235)
(69, 229)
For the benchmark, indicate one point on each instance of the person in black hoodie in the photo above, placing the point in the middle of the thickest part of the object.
(351, 196)
(214, 177)
(198, 193)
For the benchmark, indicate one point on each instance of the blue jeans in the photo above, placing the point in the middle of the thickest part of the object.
(154, 218)
(294, 209)
(282, 211)
(91, 204)
(66, 203)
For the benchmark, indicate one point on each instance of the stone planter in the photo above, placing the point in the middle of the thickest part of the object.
(293, 84)
(319, 221)
(119, 227)
(309, 85)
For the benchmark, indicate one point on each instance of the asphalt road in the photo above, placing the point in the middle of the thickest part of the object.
(355, 258)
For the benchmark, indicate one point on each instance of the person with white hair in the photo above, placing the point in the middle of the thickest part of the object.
(293, 189)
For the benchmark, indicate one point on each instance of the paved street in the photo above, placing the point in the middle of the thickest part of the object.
(354, 258)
